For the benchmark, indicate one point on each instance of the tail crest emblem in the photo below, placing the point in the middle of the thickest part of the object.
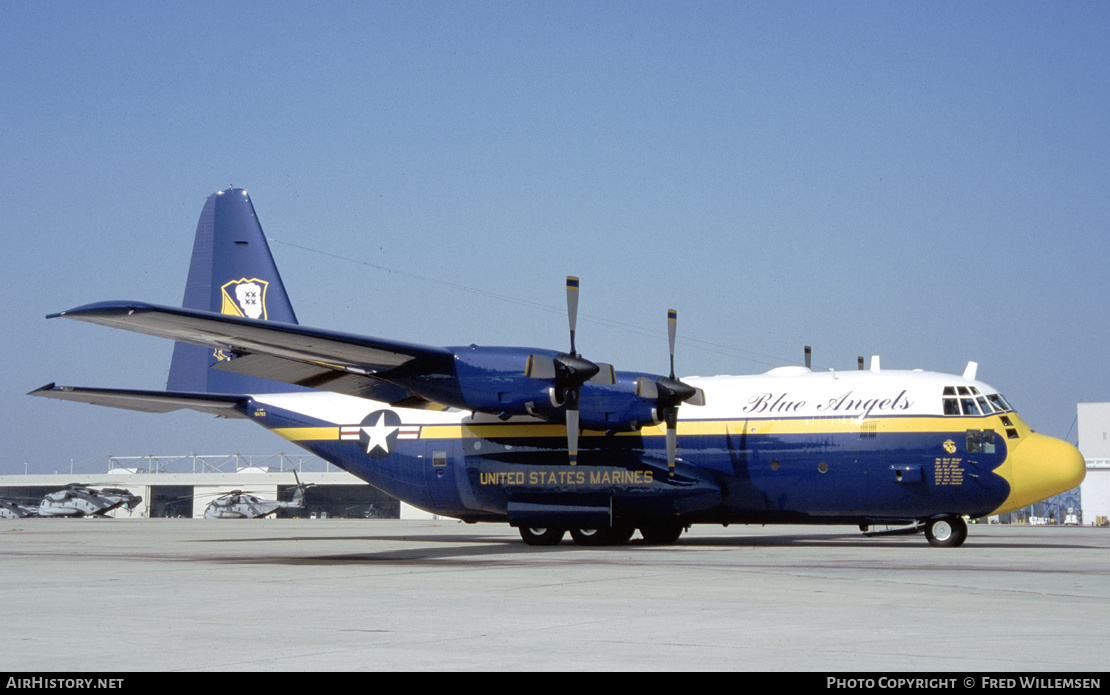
(244, 297)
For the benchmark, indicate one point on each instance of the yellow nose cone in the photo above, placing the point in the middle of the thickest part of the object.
(1038, 468)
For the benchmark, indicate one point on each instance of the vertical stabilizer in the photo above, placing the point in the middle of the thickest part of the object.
(232, 272)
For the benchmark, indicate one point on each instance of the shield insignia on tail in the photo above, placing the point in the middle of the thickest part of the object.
(244, 297)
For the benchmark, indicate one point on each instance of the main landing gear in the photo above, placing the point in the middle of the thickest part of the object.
(660, 533)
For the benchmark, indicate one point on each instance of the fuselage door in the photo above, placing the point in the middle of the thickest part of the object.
(442, 458)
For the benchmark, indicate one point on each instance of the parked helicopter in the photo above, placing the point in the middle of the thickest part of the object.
(81, 500)
(11, 509)
(241, 505)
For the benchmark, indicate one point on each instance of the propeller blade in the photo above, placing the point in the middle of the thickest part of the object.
(672, 330)
(698, 398)
(606, 376)
(809, 357)
(540, 367)
(572, 308)
(672, 438)
(572, 434)
(572, 371)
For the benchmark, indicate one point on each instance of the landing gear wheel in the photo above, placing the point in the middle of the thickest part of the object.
(587, 536)
(620, 534)
(664, 533)
(594, 537)
(541, 536)
(946, 532)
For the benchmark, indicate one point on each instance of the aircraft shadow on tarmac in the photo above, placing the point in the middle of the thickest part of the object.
(454, 547)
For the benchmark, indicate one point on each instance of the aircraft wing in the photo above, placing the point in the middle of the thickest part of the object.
(146, 401)
(291, 353)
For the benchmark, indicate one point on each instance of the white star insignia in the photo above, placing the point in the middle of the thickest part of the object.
(378, 435)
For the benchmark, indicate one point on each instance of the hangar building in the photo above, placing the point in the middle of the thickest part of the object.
(184, 486)
(1094, 443)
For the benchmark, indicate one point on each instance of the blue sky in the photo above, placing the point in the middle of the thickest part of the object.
(926, 181)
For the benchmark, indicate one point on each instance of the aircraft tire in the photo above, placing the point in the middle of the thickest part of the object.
(621, 534)
(541, 536)
(663, 533)
(617, 535)
(946, 532)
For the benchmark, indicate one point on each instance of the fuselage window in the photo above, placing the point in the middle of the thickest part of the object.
(968, 405)
(983, 405)
(951, 406)
(980, 442)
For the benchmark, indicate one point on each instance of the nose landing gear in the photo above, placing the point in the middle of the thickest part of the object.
(946, 532)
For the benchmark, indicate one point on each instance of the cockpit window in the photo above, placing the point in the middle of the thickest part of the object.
(969, 400)
(999, 402)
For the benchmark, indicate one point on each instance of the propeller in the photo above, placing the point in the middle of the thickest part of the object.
(668, 393)
(570, 371)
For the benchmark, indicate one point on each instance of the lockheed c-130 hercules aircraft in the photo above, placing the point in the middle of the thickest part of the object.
(550, 441)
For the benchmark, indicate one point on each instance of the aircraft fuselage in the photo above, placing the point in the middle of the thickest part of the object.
(788, 446)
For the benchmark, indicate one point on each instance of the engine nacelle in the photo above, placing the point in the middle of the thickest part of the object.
(495, 380)
(617, 407)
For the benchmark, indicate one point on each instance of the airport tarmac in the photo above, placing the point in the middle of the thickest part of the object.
(133, 595)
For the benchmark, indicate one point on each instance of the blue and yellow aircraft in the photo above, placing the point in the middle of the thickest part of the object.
(552, 442)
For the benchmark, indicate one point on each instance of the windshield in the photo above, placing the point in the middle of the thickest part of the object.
(969, 400)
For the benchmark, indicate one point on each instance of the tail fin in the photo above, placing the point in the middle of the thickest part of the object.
(232, 272)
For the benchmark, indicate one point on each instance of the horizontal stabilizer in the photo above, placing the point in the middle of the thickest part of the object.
(147, 401)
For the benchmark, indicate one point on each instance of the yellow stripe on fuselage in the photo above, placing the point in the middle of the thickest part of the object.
(695, 428)
(308, 434)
